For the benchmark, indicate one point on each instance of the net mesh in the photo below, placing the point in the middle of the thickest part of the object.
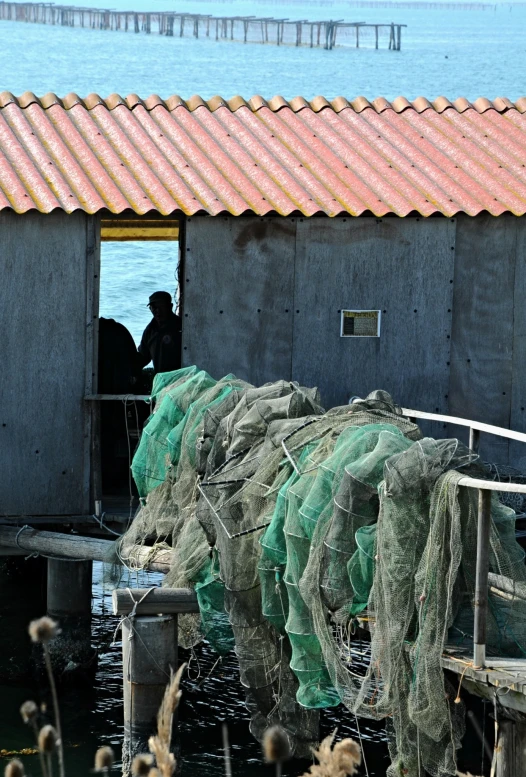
(291, 523)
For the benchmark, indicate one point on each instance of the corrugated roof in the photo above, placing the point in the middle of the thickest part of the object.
(258, 156)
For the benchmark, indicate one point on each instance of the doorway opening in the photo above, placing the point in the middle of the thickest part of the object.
(139, 256)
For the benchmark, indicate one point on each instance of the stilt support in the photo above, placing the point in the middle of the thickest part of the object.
(149, 651)
(69, 589)
(69, 602)
(511, 747)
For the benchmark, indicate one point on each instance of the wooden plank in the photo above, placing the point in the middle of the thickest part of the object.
(238, 296)
(46, 345)
(120, 229)
(402, 267)
(156, 601)
(511, 700)
(482, 339)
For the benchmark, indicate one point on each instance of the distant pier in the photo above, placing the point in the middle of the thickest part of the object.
(243, 29)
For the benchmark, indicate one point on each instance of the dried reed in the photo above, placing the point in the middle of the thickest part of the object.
(276, 747)
(29, 713)
(14, 768)
(47, 744)
(339, 761)
(142, 765)
(43, 631)
(104, 758)
(160, 743)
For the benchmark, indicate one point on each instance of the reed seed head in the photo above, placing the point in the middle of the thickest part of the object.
(104, 758)
(14, 768)
(141, 765)
(43, 630)
(276, 745)
(347, 756)
(154, 772)
(47, 739)
(29, 711)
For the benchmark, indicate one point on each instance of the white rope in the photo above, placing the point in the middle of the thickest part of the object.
(362, 747)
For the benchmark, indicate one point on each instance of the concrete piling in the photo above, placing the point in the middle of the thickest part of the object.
(69, 584)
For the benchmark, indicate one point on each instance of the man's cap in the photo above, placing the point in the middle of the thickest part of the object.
(159, 296)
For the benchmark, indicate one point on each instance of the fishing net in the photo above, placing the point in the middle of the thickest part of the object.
(296, 525)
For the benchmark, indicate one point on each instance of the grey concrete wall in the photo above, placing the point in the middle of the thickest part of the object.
(47, 308)
(488, 355)
(238, 292)
(263, 300)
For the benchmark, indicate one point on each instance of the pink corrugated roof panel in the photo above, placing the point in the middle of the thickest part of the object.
(264, 157)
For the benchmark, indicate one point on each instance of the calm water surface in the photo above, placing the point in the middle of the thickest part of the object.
(93, 717)
(444, 52)
(452, 53)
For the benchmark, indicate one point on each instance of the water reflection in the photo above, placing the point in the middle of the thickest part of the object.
(92, 716)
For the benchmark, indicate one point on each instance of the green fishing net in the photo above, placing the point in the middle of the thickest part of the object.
(295, 525)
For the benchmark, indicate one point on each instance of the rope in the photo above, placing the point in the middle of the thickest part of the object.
(100, 521)
(363, 751)
(18, 535)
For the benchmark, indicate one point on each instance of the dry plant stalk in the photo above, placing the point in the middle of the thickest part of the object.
(29, 713)
(276, 747)
(43, 631)
(339, 761)
(104, 758)
(142, 765)
(160, 743)
(14, 768)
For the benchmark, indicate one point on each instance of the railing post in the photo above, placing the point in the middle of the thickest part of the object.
(481, 579)
(474, 439)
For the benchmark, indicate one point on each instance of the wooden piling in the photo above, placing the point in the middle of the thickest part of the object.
(511, 746)
(226, 27)
(144, 601)
(149, 652)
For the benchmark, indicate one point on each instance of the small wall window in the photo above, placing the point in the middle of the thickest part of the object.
(360, 323)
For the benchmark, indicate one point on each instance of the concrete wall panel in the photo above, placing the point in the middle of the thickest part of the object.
(238, 296)
(482, 336)
(403, 267)
(45, 263)
(518, 388)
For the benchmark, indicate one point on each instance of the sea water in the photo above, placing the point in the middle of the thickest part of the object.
(444, 52)
(468, 53)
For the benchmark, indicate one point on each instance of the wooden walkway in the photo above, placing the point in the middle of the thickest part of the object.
(243, 29)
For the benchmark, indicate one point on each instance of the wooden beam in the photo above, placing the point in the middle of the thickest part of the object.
(72, 546)
(157, 601)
